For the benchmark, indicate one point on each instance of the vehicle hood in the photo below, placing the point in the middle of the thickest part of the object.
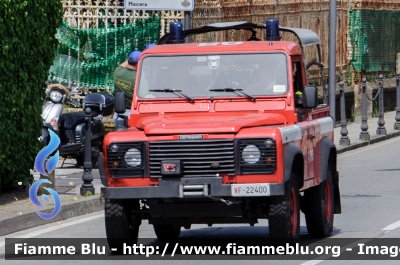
(206, 123)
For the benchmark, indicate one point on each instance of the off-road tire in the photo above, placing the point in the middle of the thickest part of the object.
(320, 208)
(122, 223)
(284, 212)
(167, 232)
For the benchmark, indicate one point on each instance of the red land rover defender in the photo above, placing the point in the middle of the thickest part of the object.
(223, 132)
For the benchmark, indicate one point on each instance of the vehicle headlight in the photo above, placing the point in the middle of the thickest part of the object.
(127, 159)
(55, 96)
(257, 156)
(133, 157)
(251, 154)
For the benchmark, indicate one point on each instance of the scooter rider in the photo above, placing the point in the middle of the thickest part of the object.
(124, 80)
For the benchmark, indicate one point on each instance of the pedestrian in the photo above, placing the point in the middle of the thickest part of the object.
(124, 80)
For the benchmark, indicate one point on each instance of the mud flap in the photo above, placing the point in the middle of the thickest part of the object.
(336, 191)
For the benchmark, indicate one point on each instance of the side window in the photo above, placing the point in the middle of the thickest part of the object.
(297, 84)
(297, 77)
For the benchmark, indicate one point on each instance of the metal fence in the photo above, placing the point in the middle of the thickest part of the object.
(374, 39)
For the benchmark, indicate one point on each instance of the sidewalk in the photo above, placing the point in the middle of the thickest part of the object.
(18, 212)
(354, 130)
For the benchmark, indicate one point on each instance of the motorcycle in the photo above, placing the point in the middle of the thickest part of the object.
(70, 127)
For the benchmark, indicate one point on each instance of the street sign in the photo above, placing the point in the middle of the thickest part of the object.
(176, 5)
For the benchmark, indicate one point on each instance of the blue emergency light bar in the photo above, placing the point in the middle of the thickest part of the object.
(175, 33)
(272, 29)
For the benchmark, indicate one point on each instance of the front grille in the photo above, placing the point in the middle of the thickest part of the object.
(200, 158)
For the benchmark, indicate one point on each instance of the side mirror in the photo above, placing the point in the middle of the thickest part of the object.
(310, 97)
(119, 102)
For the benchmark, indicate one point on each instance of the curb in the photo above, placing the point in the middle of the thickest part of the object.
(373, 140)
(31, 220)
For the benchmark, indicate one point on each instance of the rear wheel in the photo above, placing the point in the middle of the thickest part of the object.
(320, 208)
(122, 224)
(167, 232)
(284, 212)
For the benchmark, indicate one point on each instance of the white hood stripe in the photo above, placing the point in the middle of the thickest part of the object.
(326, 125)
(294, 132)
(290, 134)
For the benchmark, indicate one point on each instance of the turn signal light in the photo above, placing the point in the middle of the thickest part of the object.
(53, 121)
(269, 160)
(115, 164)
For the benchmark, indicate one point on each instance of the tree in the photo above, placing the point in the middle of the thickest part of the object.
(27, 30)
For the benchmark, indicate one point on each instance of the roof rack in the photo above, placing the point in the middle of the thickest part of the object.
(306, 36)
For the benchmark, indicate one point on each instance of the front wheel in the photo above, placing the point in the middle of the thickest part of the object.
(320, 208)
(284, 212)
(122, 224)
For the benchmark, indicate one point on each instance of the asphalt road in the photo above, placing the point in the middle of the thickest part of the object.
(370, 189)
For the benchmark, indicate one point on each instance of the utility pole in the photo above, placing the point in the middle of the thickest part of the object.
(332, 60)
(187, 24)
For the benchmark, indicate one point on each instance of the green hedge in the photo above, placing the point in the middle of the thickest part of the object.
(27, 42)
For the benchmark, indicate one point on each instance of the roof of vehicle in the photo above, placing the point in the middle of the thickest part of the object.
(306, 36)
(291, 48)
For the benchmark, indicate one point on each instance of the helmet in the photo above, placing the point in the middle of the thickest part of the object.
(149, 45)
(133, 58)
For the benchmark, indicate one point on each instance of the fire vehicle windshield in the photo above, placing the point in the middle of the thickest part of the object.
(216, 75)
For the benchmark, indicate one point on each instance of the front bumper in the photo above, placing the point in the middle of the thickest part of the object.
(184, 188)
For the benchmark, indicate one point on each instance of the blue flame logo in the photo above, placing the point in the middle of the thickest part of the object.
(45, 152)
(33, 196)
(50, 166)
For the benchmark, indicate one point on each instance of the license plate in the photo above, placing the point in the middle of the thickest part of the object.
(249, 190)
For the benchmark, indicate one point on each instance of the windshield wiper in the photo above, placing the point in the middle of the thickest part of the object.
(238, 91)
(175, 91)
